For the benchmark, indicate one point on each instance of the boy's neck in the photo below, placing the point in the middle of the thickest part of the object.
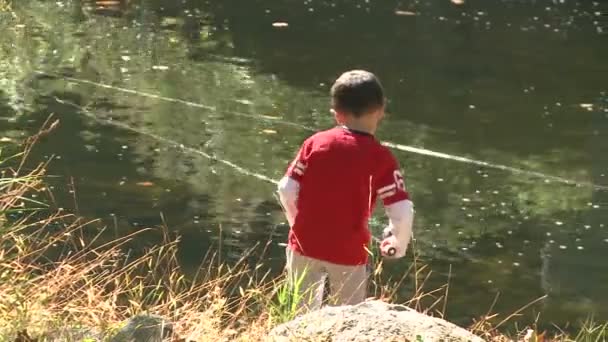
(361, 125)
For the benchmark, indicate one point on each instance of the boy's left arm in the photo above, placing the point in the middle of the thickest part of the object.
(289, 185)
(288, 190)
(390, 188)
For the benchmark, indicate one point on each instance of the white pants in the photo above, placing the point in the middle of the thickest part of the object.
(348, 284)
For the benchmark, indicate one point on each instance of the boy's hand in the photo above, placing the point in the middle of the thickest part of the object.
(390, 246)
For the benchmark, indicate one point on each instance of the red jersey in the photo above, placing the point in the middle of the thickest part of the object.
(341, 173)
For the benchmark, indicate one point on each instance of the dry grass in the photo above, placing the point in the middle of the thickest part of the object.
(58, 271)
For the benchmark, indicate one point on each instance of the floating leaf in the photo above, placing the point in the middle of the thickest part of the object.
(405, 13)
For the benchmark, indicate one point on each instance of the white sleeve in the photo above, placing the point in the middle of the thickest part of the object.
(288, 190)
(401, 218)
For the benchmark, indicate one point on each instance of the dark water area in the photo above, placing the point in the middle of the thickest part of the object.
(521, 84)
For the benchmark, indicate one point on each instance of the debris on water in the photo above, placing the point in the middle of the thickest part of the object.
(559, 223)
(146, 183)
(124, 70)
(405, 13)
(548, 233)
(282, 244)
(466, 200)
(563, 247)
(280, 24)
(551, 241)
(125, 58)
(269, 131)
(471, 106)
(580, 248)
(440, 179)
(587, 226)
(587, 106)
(244, 101)
(520, 254)
(160, 67)
(516, 264)
(458, 2)
(499, 245)
(124, 147)
(6, 139)
(121, 183)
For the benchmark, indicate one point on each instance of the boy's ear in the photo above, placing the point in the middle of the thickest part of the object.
(337, 116)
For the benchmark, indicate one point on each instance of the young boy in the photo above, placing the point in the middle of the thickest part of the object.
(330, 190)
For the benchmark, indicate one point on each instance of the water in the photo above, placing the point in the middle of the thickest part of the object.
(521, 84)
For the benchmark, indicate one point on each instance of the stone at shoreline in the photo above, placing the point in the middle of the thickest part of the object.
(148, 328)
(369, 321)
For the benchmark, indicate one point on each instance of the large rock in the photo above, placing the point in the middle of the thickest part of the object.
(369, 321)
(144, 328)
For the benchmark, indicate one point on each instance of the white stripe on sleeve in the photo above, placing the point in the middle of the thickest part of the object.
(386, 188)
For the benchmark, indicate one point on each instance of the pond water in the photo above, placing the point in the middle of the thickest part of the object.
(191, 109)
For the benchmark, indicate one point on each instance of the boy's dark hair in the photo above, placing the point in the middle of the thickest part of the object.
(357, 92)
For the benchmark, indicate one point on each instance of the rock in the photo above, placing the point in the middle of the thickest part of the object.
(369, 321)
(144, 328)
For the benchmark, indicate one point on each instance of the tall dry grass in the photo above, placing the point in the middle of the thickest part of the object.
(62, 277)
(59, 273)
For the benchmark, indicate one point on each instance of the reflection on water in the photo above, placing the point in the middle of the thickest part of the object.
(517, 83)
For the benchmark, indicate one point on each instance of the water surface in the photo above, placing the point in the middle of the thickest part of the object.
(516, 83)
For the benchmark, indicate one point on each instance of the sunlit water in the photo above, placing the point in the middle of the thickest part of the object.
(191, 110)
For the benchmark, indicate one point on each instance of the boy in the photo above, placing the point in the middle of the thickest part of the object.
(329, 192)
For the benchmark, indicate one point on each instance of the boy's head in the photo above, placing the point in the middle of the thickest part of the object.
(357, 93)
